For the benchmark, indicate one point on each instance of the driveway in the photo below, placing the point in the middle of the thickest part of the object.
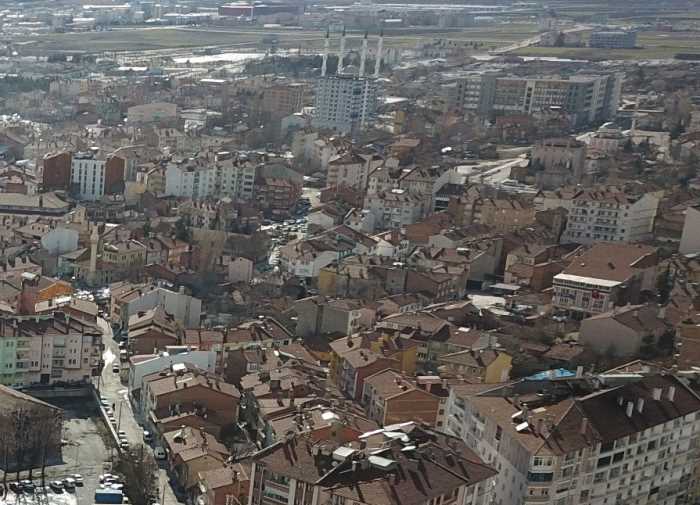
(117, 393)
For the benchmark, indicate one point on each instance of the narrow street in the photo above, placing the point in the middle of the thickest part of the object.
(116, 393)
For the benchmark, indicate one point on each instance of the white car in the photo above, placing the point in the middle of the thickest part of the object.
(159, 453)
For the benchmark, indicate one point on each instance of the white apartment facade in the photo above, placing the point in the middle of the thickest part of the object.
(584, 294)
(48, 349)
(690, 237)
(128, 300)
(219, 179)
(394, 208)
(627, 443)
(88, 176)
(610, 217)
(345, 103)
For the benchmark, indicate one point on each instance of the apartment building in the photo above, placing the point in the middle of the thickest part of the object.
(227, 175)
(402, 464)
(277, 196)
(128, 299)
(614, 438)
(94, 175)
(583, 98)
(352, 169)
(559, 162)
(345, 103)
(277, 101)
(605, 276)
(389, 398)
(394, 208)
(45, 349)
(608, 213)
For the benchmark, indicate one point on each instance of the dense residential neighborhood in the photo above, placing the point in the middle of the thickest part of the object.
(361, 253)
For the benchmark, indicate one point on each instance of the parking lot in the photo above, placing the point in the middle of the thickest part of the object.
(85, 452)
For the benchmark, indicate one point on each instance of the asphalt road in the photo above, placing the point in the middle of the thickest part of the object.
(116, 393)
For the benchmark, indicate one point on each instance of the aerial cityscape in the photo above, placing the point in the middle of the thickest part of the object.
(277, 252)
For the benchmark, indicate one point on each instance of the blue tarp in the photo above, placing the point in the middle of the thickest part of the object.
(559, 373)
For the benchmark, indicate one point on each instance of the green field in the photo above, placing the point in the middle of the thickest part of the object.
(142, 39)
(653, 45)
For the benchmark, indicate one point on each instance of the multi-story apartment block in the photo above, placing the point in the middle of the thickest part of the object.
(351, 169)
(394, 208)
(603, 214)
(402, 464)
(88, 176)
(624, 439)
(278, 101)
(559, 162)
(94, 175)
(277, 195)
(584, 98)
(605, 276)
(45, 349)
(226, 175)
(345, 103)
(129, 299)
(610, 215)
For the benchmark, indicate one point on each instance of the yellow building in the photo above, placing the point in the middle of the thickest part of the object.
(403, 350)
(483, 365)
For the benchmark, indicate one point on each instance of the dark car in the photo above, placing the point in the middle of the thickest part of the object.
(15, 487)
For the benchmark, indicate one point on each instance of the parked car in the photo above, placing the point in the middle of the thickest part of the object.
(115, 368)
(56, 486)
(69, 484)
(159, 453)
(78, 479)
(28, 486)
(15, 487)
(147, 436)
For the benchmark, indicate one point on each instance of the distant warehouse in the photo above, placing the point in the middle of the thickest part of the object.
(614, 39)
(258, 9)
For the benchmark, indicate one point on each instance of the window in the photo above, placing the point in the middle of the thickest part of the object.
(540, 476)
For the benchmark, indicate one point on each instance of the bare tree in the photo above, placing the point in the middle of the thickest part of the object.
(140, 475)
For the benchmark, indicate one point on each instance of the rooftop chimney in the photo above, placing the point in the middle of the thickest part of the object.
(630, 409)
(584, 426)
(656, 394)
(579, 371)
(671, 394)
(640, 405)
